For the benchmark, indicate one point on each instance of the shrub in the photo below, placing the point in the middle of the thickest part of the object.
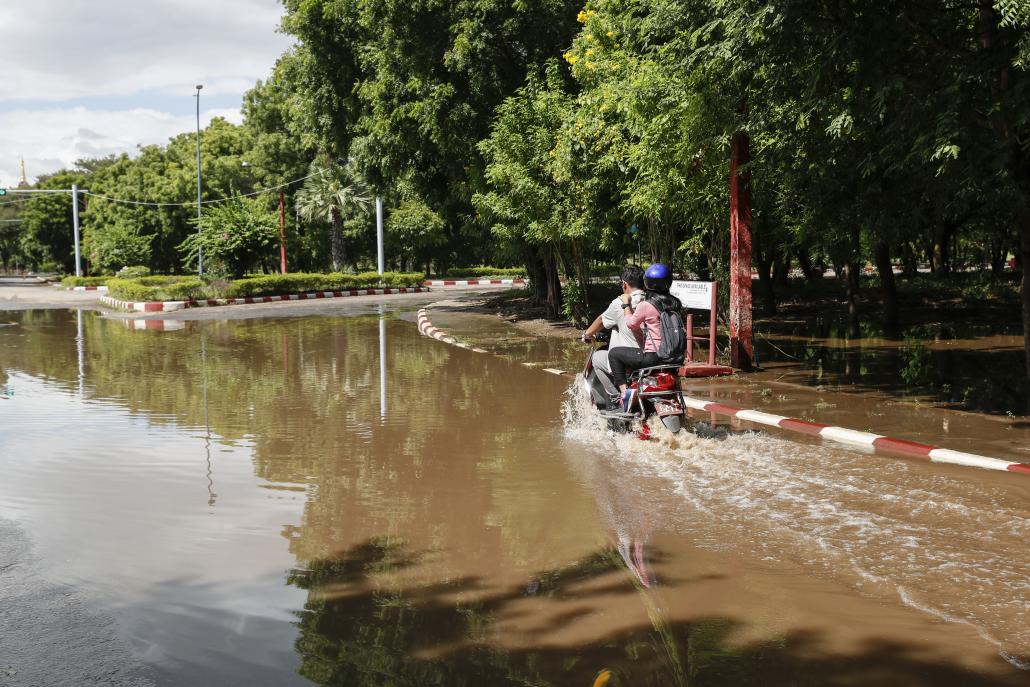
(111, 247)
(237, 232)
(84, 281)
(133, 272)
(274, 284)
(481, 272)
(180, 289)
(128, 290)
(161, 279)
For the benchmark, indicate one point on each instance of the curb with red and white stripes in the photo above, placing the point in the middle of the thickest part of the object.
(155, 325)
(427, 329)
(100, 289)
(474, 282)
(840, 435)
(171, 306)
(851, 437)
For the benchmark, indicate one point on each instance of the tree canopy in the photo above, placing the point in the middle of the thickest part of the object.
(540, 131)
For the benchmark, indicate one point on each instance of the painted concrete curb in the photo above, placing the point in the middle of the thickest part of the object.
(473, 282)
(851, 437)
(100, 289)
(171, 306)
(427, 329)
(841, 435)
(155, 325)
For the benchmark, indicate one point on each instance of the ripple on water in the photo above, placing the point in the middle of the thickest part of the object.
(952, 547)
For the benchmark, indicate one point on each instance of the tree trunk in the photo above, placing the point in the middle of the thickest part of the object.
(941, 256)
(838, 269)
(537, 276)
(852, 279)
(805, 263)
(336, 241)
(781, 271)
(997, 254)
(552, 305)
(764, 264)
(1024, 262)
(909, 265)
(851, 286)
(888, 287)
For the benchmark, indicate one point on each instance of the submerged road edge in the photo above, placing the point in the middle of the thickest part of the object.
(902, 448)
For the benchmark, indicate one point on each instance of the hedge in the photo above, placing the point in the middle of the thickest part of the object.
(275, 284)
(158, 288)
(480, 272)
(178, 289)
(84, 281)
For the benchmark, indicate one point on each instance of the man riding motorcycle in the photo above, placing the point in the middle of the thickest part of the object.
(644, 319)
(613, 318)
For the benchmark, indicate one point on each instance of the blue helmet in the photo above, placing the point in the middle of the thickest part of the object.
(658, 277)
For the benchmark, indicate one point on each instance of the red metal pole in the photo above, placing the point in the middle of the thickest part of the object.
(282, 232)
(741, 342)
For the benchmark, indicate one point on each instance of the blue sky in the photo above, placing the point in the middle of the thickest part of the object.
(84, 79)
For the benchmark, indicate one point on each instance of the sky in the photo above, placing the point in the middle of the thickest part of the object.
(87, 79)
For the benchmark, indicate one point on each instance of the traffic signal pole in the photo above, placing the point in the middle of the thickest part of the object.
(75, 228)
(74, 191)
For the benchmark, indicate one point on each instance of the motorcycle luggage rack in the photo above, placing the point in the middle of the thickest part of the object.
(644, 371)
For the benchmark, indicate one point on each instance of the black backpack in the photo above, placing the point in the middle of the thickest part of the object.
(674, 339)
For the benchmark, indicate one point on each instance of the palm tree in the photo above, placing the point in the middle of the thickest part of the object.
(332, 192)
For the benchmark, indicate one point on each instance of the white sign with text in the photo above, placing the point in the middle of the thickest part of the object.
(693, 294)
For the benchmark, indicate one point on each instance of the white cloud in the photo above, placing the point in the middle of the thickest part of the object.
(64, 49)
(63, 57)
(54, 138)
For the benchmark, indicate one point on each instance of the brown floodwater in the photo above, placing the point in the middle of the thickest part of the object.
(340, 501)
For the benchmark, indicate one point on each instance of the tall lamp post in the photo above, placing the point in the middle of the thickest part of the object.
(200, 249)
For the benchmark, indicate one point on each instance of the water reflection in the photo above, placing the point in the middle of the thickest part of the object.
(80, 349)
(212, 497)
(456, 542)
(962, 365)
(382, 364)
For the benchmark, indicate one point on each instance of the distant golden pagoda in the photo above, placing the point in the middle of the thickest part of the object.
(24, 183)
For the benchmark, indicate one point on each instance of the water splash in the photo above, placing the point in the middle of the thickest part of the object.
(882, 526)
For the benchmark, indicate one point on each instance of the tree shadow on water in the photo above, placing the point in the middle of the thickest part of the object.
(355, 632)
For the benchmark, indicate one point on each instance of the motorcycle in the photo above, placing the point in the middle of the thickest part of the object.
(657, 392)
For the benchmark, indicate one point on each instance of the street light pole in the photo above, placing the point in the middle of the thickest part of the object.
(380, 253)
(200, 249)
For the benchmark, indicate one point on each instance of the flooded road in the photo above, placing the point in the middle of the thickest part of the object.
(262, 502)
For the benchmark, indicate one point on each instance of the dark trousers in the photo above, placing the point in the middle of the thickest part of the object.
(625, 360)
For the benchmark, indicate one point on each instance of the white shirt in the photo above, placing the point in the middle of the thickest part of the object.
(615, 319)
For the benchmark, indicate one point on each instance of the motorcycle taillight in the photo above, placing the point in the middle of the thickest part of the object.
(663, 381)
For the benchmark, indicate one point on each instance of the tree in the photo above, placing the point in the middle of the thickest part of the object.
(333, 194)
(118, 246)
(407, 89)
(235, 236)
(414, 231)
(47, 231)
(528, 203)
